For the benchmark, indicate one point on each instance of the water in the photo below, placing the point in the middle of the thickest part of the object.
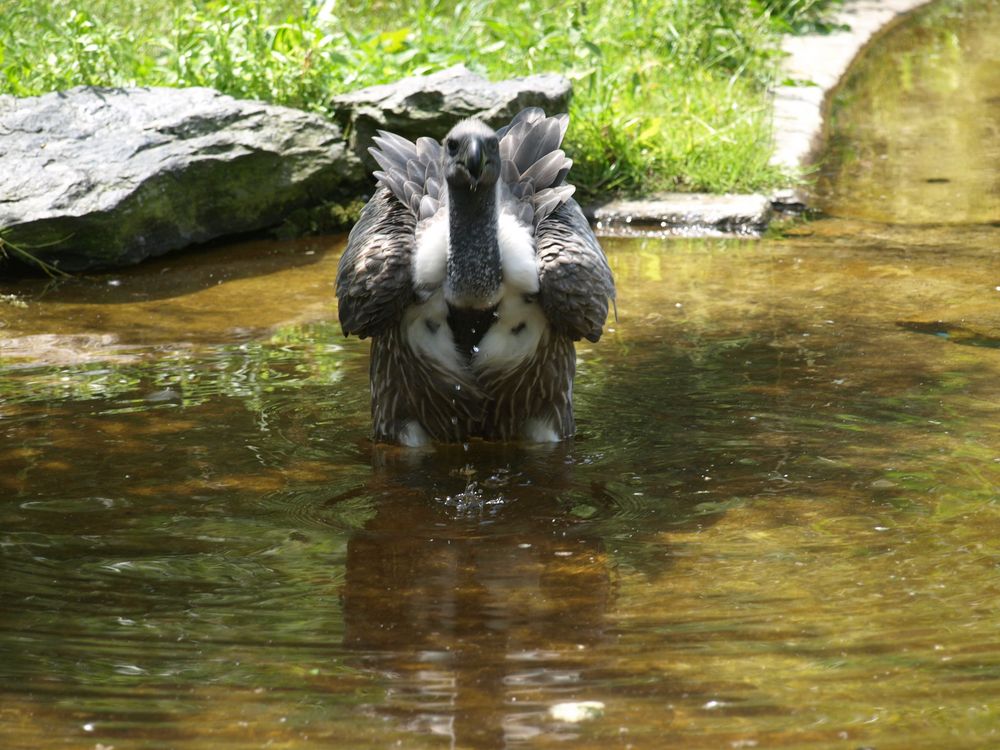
(916, 130)
(778, 526)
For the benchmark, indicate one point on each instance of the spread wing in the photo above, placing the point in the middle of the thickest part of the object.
(575, 282)
(533, 168)
(411, 172)
(374, 278)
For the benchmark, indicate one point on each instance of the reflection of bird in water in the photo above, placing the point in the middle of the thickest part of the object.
(478, 626)
(474, 271)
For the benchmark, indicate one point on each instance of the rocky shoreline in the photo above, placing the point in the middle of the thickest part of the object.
(98, 178)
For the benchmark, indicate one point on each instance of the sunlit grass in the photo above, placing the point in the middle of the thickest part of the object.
(668, 93)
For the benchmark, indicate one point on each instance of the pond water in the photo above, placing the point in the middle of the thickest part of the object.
(779, 525)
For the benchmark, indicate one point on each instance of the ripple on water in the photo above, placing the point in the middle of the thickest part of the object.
(311, 508)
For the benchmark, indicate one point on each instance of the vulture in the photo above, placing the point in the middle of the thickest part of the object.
(473, 271)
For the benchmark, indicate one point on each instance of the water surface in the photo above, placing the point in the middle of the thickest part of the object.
(914, 132)
(778, 526)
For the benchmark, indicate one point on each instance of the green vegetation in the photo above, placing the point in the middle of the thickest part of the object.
(669, 94)
(10, 251)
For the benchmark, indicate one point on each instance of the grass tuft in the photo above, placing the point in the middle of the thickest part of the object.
(23, 255)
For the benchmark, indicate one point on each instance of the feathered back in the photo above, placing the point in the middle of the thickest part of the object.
(533, 168)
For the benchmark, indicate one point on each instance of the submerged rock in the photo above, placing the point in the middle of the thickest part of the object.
(431, 105)
(94, 178)
(685, 213)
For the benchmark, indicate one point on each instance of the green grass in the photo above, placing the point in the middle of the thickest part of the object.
(26, 257)
(668, 94)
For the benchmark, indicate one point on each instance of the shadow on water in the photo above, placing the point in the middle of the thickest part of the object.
(956, 332)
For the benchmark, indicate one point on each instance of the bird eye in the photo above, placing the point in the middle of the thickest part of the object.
(452, 145)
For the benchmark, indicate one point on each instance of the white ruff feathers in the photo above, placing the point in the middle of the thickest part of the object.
(430, 255)
(520, 325)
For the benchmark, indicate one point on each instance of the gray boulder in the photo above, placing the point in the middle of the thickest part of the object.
(430, 105)
(94, 178)
(687, 213)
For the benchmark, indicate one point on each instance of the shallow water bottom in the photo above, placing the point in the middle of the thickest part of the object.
(778, 526)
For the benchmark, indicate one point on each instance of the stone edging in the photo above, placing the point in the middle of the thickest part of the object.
(814, 66)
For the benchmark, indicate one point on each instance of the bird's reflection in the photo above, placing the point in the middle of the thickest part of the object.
(476, 593)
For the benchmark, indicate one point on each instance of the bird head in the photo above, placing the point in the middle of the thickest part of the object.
(471, 156)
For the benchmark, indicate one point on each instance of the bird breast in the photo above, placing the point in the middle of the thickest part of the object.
(519, 323)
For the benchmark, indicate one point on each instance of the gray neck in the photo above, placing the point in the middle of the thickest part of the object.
(474, 273)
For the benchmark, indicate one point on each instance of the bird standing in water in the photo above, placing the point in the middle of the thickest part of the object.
(473, 270)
